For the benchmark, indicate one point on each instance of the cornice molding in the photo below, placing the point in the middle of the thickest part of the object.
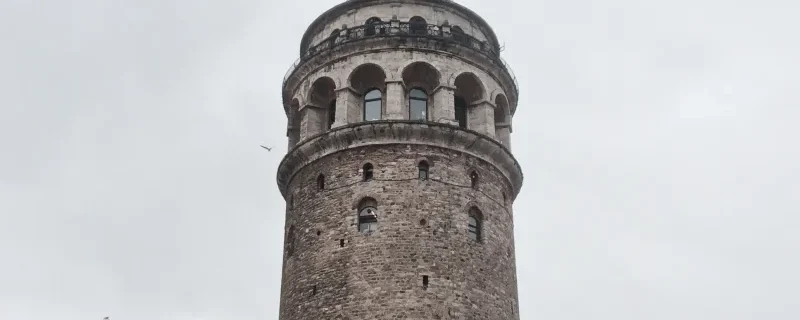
(388, 132)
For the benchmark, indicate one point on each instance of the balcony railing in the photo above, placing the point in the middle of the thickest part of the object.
(401, 29)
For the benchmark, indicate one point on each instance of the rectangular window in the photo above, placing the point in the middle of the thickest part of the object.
(372, 110)
(461, 112)
(418, 109)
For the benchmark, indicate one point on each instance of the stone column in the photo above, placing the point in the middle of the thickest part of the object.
(396, 108)
(313, 120)
(480, 117)
(348, 107)
(444, 108)
(503, 133)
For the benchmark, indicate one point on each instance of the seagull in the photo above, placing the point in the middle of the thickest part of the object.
(268, 149)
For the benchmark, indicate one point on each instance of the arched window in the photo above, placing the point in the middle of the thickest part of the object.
(374, 26)
(417, 104)
(423, 170)
(367, 215)
(290, 242)
(367, 172)
(461, 111)
(321, 182)
(473, 179)
(417, 25)
(474, 224)
(372, 105)
(331, 114)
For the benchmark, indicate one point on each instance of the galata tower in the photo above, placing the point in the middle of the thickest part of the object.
(399, 180)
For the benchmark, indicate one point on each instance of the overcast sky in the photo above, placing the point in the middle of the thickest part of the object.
(658, 141)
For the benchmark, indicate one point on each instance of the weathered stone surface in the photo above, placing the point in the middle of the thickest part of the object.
(420, 262)
(379, 276)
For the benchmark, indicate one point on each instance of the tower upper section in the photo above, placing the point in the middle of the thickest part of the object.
(416, 61)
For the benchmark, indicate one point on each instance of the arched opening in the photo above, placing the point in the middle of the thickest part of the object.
(367, 215)
(321, 182)
(502, 123)
(417, 26)
(290, 242)
(458, 33)
(469, 90)
(334, 38)
(475, 224)
(422, 78)
(423, 170)
(323, 96)
(295, 119)
(374, 26)
(501, 109)
(367, 172)
(370, 80)
(473, 179)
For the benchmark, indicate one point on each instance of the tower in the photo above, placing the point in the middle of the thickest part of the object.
(399, 179)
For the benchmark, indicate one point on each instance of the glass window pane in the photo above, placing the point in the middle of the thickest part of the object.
(374, 94)
(417, 93)
(419, 109)
(372, 110)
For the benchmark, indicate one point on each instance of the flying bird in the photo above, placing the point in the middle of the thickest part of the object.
(268, 149)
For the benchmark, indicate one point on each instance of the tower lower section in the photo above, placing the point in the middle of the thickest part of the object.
(439, 244)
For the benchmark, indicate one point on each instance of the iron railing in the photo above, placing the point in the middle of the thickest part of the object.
(401, 29)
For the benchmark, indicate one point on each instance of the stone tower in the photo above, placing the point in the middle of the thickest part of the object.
(399, 180)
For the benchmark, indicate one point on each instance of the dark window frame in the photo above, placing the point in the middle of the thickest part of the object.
(412, 98)
(424, 170)
(475, 225)
(321, 182)
(368, 172)
(368, 100)
(367, 216)
(461, 112)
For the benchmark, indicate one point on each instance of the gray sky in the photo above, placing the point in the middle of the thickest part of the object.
(658, 141)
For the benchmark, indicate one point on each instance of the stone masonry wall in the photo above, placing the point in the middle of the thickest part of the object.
(335, 272)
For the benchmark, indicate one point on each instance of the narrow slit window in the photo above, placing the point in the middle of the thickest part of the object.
(321, 182)
(367, 172)
(290, 242)
(423, 170)
(461, 112)
(331, 114)
(425, 282)
(473, 179)
(474, 224)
